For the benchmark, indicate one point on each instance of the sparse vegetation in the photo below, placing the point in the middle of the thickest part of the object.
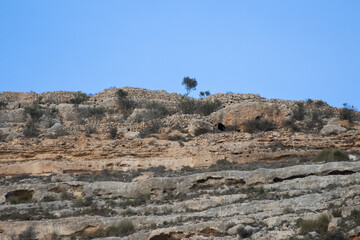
(19, 196)
(59, 133)
(187, 105)
(205, 108)
(90, 129)
(315, 122)
(348, 112)
(331, 156)
(113, 133)
(3, 105)
(155, 110)
(31, 130)
(258, 125)
(83, 202)
(128, 212)
(97, 113)
(28, 234)
(33, 114)
(126, 105)
(122, 229)
(152, 127)
(79, 97)
(299, 112)
(191, 106)
(65, 195)
(319, 224)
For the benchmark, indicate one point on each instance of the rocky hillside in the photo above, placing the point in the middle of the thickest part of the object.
(139, 164)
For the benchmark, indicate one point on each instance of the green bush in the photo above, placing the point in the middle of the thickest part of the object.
(35, 112)
(291, 125)
(315, 123)
(258, 125)
(113, 133)
(157, 110)
(187, 106)
(79, 98)
(319, 103)
(31, 129)
(299, 112)
(331, 156)
(126, 105)
(319, 225)
(121, 94)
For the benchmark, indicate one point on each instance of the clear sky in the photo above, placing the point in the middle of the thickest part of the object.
(280, 49)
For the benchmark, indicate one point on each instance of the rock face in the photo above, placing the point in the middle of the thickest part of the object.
(214, 205)
(67, 111)
(235, 115)
(146, 177)
(332, 129)
(15, 116)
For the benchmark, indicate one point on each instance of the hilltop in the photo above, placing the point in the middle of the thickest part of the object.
(164, 166)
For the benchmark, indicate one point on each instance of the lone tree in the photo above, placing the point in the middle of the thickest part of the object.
(190, 84)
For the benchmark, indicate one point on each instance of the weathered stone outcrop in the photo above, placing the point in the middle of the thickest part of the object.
(235, 115)
(331, 129)
(14, 116)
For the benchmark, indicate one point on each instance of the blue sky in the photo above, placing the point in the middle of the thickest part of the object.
(279, 49)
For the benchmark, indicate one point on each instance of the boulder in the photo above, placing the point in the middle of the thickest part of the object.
(138, 114)
(109, 103)
(55, 127)
(236, 114)
(46, 122)
(131, 135)
(355, 233)
(67, 111)
(13, 105)
(198, 126)
(332, 129)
